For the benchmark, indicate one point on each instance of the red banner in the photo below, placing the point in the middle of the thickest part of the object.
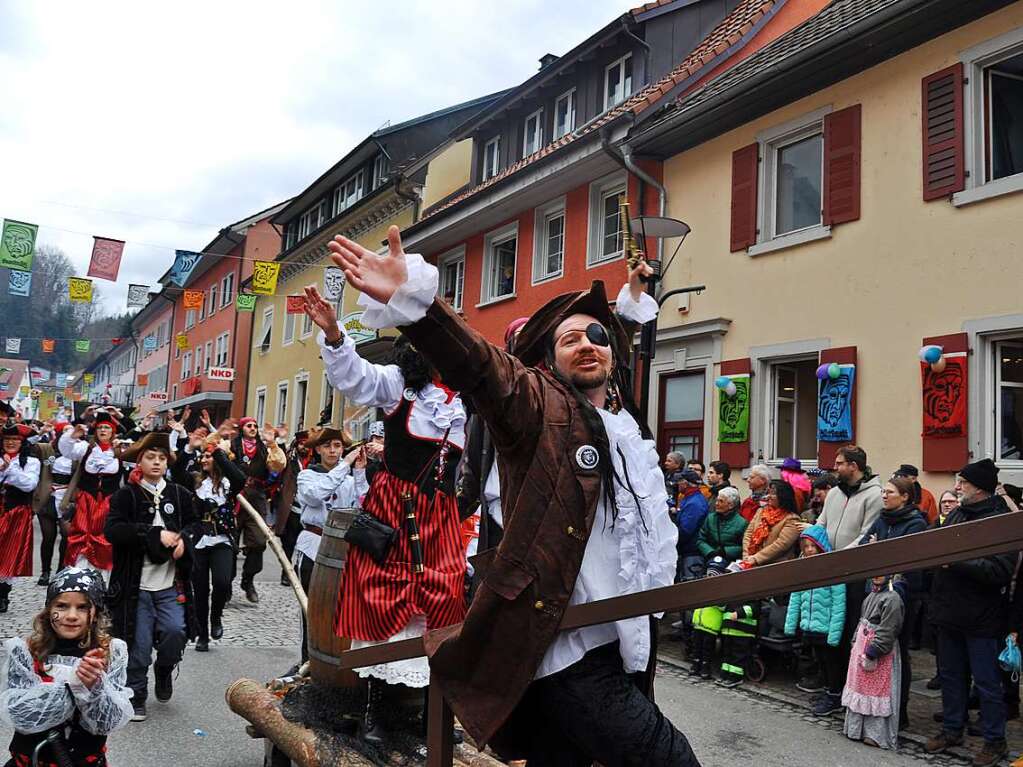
(296, 304)
(106, 258)
(143, 379)
(944, 398)
(48, 345)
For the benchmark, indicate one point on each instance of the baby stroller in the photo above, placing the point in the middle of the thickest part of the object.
(773, 646)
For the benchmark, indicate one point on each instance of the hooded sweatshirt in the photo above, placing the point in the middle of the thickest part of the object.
(821, 610)
(850, 510)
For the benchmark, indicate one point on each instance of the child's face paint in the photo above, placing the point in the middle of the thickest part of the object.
(71, 615)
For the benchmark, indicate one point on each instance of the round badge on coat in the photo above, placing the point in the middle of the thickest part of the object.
(168, 508)
(409, 394)
(587, 457)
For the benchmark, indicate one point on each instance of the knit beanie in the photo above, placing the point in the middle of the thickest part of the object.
(983, 474)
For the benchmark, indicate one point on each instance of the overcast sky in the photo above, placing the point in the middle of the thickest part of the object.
(159, 124)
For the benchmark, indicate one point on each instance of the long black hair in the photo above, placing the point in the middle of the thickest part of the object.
(414, 367)
(786, 495)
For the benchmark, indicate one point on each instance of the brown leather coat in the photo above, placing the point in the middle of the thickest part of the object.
(548, 503)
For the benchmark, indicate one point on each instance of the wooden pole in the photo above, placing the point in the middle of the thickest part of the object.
(278, 550)
(439, 730)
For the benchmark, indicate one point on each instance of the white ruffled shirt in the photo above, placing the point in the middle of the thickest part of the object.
(639, 552)
(24, 479)
(321, 491)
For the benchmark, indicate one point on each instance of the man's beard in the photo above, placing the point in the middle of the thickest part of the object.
(588, 381)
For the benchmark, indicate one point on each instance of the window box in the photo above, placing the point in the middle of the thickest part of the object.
(500, 251)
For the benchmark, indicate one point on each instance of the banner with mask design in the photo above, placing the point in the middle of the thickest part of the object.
(834, 406)
(733, 412)
(944, 397)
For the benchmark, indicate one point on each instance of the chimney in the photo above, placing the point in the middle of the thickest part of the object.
(546, 60)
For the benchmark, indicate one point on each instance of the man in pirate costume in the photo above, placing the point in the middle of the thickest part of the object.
(286, 508)
(583, 502)
(42, 499)
(19, 475)
(419, 582)
(252, 455)
(332, 481)
(97, 478)
(152, 526)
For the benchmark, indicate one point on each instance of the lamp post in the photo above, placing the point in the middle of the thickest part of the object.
(661, 228)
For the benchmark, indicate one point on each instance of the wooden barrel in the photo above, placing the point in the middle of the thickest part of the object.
(325, 647)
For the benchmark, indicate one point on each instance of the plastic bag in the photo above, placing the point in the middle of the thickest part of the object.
(1009, 659)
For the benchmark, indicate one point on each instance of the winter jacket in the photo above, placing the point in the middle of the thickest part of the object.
(721, 535)
(781, 541)
(972, 596)
(884, 610)
(820, 610)
(750, 507)
(692, 510)
(850, 511)
(895, 524)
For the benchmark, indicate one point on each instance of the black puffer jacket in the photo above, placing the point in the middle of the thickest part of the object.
(895, 524)
(972, 595)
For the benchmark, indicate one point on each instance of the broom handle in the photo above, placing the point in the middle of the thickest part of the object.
(275, 546)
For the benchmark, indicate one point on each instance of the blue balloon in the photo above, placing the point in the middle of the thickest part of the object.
(930, 354)
(722, 381)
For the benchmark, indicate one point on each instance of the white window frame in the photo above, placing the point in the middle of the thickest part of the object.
(453, 256)
(495, 167)
(213, 299)
(202, 306)
(326, 394)
(769, 142)
(186, 365)
(296, 414)
(227, 290)
(174, 392)
(307, 327)
(209, 355)
(532, 144)
(309, 222)
(260, 405)
(570, 96)
(983, 393)
(281, 403)
(266, 331)
(200, 359)
(381, 169)
(288, 334)
(775, 398)
(614, 184)
(491, 241)
(975, 122)
(621, 81)
(347, 193)
(997, 377)
(223, 353)
(543, 215)
(189, 319)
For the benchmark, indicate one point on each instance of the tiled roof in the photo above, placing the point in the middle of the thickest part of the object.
(836, 17)
(727, 33)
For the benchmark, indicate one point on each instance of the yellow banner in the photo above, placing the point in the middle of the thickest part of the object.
(80, 290)
(264, 277)
(89, 377)
(183, 341)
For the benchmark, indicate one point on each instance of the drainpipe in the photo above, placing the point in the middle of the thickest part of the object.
(412, 197)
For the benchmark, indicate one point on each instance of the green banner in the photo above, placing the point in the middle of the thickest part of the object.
(18, 245)
(733, 412)
(82, 345)
(246, 302)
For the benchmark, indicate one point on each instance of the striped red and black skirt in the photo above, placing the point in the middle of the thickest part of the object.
(376, 601)
(85, 537)
(16, 541)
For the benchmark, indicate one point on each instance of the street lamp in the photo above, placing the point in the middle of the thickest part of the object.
(658, 228)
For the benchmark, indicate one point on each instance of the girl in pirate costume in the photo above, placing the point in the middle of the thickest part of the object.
(419, 585)
(63, 688)
(99, 477)
(333, 481)
(61, 469)
(19, 475)
(216, 493)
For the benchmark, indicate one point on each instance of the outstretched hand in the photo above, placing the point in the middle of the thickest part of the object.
(322, 314)
(378, 276)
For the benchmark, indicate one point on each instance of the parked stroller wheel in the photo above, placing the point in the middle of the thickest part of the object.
(757, 670)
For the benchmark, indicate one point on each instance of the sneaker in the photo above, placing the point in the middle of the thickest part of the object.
(828, 704)
(138, 712)
(943, 741)
(44, 578)
(991, 753)
(164, 682)
(811, 684)
(934, 683)
(730, 682)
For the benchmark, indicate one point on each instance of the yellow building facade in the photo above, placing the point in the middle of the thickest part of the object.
(906, 270)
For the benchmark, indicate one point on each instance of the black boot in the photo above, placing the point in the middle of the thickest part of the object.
(249, 587)
(372, 728)
(5, 592)
(44, 578)
(216, 627)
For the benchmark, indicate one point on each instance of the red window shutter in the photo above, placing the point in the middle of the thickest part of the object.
(745, 163)
(843, 355)
(842, 166)
(948, 453)
(944, 169)
(736, 454)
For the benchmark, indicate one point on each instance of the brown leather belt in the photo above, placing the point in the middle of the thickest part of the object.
(313, 529)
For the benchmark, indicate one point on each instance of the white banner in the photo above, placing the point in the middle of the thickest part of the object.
(14, 346)
(333, 283)
(220, 374)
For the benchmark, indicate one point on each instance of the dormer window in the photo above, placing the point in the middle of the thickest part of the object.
(532, 133)
(491, 157)
(618, 81)
(564, 114)
(381, 167)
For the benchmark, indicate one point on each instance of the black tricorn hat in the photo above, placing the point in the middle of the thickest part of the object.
(531, 345)
(153, 440)
(103, 417)
(321, 436)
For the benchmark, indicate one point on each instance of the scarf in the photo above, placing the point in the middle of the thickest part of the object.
(851, 490)
(249, 447)
(769, 517)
